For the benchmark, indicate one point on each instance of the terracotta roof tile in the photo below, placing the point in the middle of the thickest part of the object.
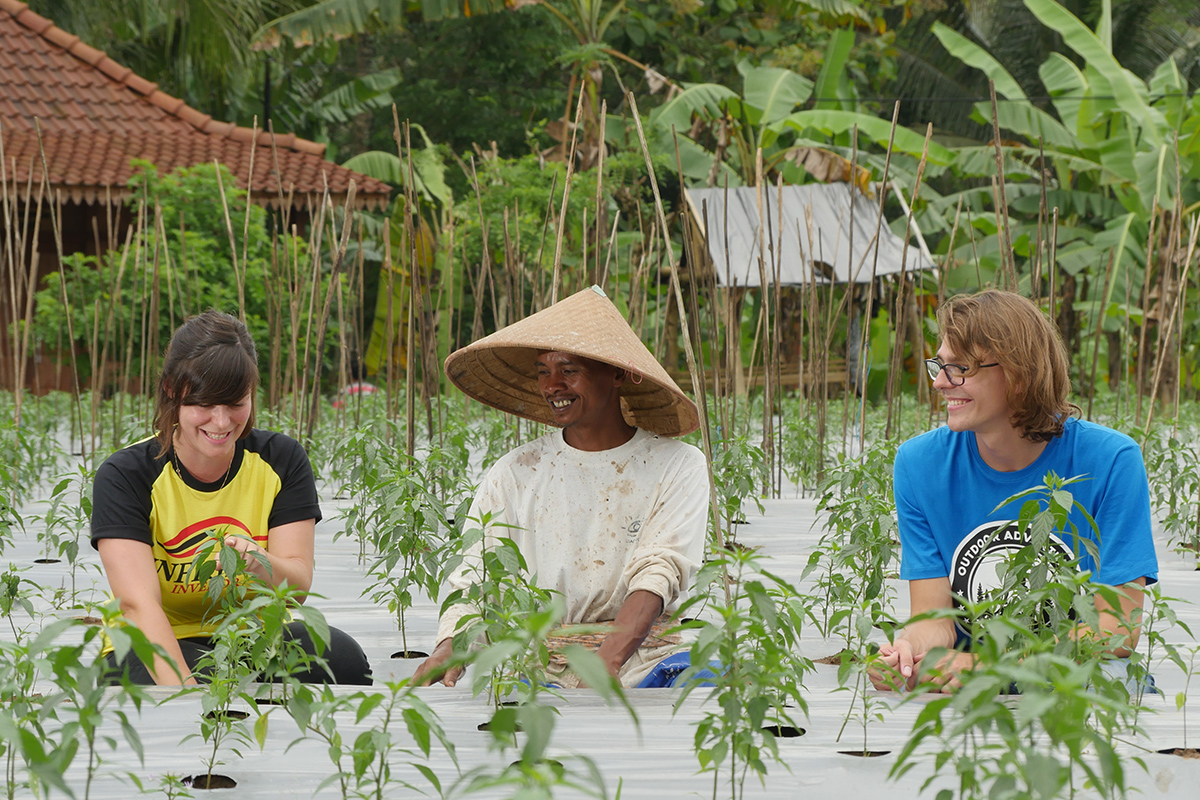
(96, 115)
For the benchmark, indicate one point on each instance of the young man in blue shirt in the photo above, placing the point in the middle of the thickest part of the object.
(1003, 372)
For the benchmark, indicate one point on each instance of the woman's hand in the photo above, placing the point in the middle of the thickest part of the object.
(129, 566)
(252, 553)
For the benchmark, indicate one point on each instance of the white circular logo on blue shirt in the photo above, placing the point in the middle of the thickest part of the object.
(974, 572)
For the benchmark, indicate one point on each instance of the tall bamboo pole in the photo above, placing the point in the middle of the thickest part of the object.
(697, 386)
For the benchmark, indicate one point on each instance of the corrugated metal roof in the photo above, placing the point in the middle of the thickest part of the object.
(815, 219)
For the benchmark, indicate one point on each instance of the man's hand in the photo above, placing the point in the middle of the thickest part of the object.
(431, 669)
(900, 663)
(633, 622)
(949, 668)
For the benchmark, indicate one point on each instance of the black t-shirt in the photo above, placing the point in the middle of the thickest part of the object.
(156, 501)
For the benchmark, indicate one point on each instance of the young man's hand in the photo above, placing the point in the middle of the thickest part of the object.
(900, 663)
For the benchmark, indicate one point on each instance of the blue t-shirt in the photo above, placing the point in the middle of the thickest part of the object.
(947, 498)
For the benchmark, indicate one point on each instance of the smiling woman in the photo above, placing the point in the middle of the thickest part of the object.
(207, 472)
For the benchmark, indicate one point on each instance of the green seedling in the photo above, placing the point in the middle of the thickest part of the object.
(83, 698)
(68, 515)
(752, 646)
(738, 467)
(503, 639)
(363, 765)
(410, 532)
(227, 667)
(859, 550)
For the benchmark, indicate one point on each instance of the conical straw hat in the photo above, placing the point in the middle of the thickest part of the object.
(499, 369)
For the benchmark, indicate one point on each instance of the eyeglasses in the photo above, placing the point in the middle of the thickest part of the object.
(955, 373)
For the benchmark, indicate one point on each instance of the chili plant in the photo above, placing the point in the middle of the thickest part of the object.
(1154, 625)
(860, 547)
(1174, 469)
(68, 514)
(737, 466)
(753, 647)
(411, 533)
(227, 667)
(503, 637)
(82, 695)
(363, 767)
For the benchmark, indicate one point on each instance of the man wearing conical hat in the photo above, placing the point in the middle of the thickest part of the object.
(609, 510)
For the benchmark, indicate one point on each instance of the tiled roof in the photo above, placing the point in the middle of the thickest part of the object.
(95, 115)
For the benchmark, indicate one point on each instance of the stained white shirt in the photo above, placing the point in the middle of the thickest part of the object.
(597, 526)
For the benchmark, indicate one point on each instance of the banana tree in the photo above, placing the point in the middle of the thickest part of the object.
(1112, 151)
(718, 131)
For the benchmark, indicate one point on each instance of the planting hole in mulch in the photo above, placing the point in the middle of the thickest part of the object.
(555, 766)
(45, 561)
(231, 714)
(784, 731)
(270, 701)
(864, 753)
(1182, 752)
(209, 782)
(486, 727)
(410, 654)
(90, 620)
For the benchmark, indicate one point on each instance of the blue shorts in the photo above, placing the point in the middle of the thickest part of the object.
(667, 672)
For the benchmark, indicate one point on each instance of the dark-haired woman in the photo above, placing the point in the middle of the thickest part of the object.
(207, 470)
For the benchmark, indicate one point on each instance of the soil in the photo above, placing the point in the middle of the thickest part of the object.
(836, 658)
(410, 654)
(90, 620)
(1182, 752)
(209, 782)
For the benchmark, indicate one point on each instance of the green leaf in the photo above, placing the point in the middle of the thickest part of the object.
(837, 55)
(973, 55)
(537, 721)
(772, 92)
(260, 730)
(1067, 86)
(832, 121)
(705, 99)
(1031, 122)
(1127, 89)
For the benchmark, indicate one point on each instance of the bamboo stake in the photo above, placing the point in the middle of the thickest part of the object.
(599, 197)
(1006, 247)
(1175, 305)
(901, 287)
(1035, 281)
(334, 278)
(237, 272)
(697, 386)
(1098, 313)
(887, 163)
(764, 317)
(56, 229)
(562, 214)
(1141, 365)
